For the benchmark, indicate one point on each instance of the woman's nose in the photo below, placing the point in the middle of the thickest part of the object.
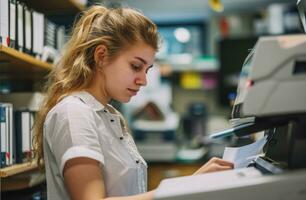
(141, 79)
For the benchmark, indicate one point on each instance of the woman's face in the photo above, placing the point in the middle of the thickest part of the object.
(125, 75)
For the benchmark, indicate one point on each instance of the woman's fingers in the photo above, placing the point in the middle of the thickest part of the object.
(215, 164)
(224, 167)
(217, 167)
(222, 162)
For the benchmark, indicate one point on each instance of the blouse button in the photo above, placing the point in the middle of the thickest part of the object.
(112, 120)
(121, 138)
(105, 111)
(137, 161)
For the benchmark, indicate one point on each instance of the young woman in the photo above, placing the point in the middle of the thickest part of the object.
(83, 141)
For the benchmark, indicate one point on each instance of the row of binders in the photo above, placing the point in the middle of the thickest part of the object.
(16, 129)
(29, 31)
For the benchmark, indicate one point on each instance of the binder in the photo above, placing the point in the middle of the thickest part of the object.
(4, 22)
(32, 30)
(11, 134)
(24, 121)
(8, 137)
(24, 49)
(12, 23)
(20, 27)
(60, 37)
(50, 29)
(28, 43)
(3, 136)
(38, 33)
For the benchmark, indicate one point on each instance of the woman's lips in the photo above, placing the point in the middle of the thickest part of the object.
(132, 91)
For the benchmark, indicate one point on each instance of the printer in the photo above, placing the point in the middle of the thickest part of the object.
(271, 97)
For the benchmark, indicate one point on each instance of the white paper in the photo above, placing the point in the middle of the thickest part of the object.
(243, 156)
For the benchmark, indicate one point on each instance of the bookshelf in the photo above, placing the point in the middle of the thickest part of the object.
(56, 6)
(17, 169)
(21, 72)
(14, 62)
(19, 177)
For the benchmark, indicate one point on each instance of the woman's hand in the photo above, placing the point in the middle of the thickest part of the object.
(215, 164)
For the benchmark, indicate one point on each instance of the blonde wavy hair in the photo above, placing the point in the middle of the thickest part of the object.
(115, 29)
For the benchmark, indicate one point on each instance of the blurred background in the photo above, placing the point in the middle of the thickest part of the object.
(191, 88)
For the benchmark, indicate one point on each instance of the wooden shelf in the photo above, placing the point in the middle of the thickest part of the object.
(17, 169)
(59, 7)
(17, 64)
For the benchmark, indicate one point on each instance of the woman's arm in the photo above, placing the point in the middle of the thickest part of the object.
(143, 196)
(84, 181)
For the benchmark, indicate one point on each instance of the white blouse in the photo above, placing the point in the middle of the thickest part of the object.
(80, 126)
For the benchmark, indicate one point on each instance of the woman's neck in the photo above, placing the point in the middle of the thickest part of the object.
(98, 94)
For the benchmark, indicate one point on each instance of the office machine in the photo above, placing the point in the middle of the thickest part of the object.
(271, 98)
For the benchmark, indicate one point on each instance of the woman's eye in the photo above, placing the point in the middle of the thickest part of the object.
(136, 67)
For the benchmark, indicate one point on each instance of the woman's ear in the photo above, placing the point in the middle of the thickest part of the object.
(99, 55)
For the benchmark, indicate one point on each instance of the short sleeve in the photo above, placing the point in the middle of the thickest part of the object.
(71, 131)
